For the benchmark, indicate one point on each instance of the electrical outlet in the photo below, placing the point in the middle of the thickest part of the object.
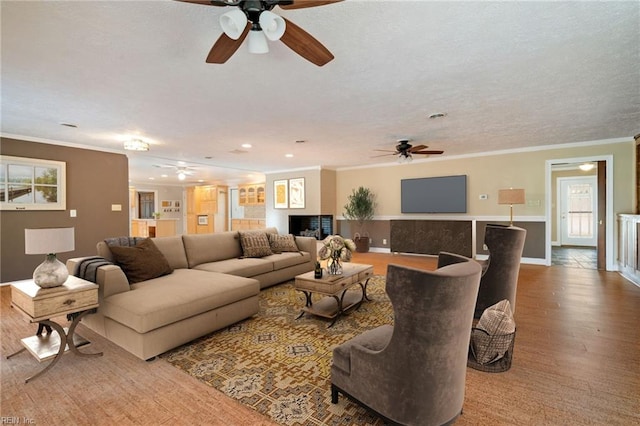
(483, 196)
(484, 247)
(384, 241)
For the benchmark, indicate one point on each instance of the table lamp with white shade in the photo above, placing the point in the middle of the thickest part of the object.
(49, 241)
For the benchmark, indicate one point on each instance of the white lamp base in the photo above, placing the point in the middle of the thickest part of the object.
(50, 273)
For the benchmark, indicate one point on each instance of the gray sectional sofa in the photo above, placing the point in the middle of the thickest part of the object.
(212, 285)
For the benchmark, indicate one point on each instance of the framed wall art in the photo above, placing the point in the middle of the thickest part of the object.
(296, 193)
(32, 184)
(280, 194)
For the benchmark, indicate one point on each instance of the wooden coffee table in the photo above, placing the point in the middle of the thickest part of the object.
(336, 300)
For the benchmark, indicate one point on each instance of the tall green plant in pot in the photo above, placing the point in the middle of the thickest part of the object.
(360, 208)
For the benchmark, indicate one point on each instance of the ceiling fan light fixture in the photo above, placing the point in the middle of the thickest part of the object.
(136, 145)
(233, 23)
(405, 157)
(257, 42)
(273, 26)
(181, 176)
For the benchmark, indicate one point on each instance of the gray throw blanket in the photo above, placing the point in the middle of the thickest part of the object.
(88, 268)
(124, 241)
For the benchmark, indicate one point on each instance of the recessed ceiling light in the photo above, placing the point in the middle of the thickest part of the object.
(289, 155)
(152, 178)
(438, 115)
(246, 145)
(164, 175)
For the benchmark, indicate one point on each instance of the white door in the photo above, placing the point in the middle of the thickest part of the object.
(578, 209)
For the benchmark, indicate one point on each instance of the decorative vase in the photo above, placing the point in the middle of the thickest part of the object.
(334, 264)
(50, 273)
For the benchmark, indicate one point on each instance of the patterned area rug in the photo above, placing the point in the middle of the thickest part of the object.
(280, 366)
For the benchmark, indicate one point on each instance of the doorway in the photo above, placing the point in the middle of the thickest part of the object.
(146, 205)
(603, 219)
(578, 207)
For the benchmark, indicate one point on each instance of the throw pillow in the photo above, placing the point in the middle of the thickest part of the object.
(497, 319)
(142, 262)
(255, 244)
(492, 336)
(281, 243)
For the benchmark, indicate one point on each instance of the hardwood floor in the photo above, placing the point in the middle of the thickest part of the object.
(576, 361)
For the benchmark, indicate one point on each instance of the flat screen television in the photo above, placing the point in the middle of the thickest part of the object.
(443, 194)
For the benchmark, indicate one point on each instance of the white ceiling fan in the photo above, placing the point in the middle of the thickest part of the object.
(182, 171)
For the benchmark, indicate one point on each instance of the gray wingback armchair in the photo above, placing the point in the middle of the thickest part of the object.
(500, 272)
(414, 371)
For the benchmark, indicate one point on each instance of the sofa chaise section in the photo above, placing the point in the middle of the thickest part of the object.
(154, 316)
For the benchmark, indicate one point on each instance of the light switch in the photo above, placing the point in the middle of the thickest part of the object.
(116, 207)
(73, 213)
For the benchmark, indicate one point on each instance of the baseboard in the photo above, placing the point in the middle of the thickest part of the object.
(525, 260)
(379, 250)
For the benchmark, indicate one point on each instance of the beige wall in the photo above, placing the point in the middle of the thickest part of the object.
(486, 175)
(95, 181)
(328, 192)
(312, 183)
(320, 196)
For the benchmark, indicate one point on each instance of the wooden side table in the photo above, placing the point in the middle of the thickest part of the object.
(75, 299)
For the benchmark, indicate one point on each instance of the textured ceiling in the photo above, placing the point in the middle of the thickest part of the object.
(507, 74)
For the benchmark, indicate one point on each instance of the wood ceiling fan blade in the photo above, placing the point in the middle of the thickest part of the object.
(386, 150)
(305, 45)
(417, 148)
(427, 152)
(384, 155)
(225, 47)
(300, 4)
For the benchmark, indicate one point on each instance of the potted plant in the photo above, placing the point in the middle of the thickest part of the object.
(360, 208)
